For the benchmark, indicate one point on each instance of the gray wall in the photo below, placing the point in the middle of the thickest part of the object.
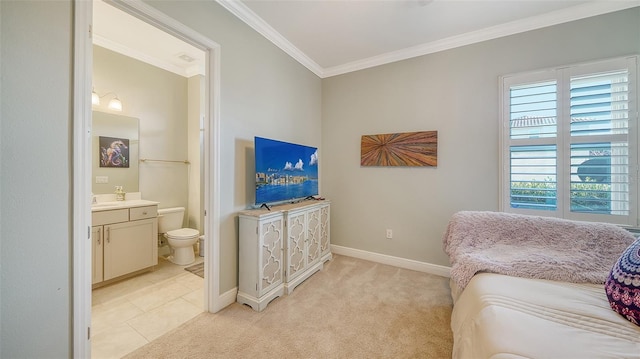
(264, 92)
(35, 191)
(456, 93)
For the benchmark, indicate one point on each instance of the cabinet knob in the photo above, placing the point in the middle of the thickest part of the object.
(144, 213)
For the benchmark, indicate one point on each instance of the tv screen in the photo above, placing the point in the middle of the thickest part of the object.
(285, 171)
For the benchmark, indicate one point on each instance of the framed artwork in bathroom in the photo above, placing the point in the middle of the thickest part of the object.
(114, 152)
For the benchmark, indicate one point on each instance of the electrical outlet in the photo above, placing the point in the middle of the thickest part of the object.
(389, 233)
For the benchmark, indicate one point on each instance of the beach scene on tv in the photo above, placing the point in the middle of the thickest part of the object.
(284, 171)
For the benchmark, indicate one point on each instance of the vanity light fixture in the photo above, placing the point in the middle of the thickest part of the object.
(115, 103)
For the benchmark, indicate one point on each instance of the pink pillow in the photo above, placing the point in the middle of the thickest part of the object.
(623, 284)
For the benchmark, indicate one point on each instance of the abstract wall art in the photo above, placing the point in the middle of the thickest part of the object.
(400, 149)
(114, 152)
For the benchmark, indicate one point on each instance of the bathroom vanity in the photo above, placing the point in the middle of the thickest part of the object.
(124, 237)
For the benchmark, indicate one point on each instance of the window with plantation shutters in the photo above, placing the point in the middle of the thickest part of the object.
(533, 151)
(569, 142)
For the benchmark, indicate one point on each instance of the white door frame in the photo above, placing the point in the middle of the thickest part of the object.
(83, 65)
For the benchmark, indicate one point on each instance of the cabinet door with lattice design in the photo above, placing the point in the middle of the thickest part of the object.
(270, 266)
(313, 236)
(325, 243)
(296, 244)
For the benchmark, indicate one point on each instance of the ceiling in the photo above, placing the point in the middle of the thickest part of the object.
(118, 31)
(332, 37)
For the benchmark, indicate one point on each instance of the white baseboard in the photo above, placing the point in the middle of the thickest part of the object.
(226, 299)
(436, 269)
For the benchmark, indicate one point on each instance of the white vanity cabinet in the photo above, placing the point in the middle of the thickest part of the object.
(279, 249)
(97, 254)
(124, 241)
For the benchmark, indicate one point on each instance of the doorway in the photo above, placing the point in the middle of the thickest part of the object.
(82, 160)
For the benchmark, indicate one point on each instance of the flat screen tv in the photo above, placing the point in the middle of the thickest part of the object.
(285, 172)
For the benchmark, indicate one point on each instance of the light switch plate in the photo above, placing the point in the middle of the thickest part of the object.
(102, 179)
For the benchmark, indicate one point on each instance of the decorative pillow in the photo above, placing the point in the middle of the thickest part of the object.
(623, 284)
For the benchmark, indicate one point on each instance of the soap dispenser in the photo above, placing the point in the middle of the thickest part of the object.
(119, 193)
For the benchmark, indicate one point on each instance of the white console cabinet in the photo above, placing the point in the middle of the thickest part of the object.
(280, 248)
(261, 259)
(124, 241)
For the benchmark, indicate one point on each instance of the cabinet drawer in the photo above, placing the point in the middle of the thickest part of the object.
(137, 213)
(106, 217)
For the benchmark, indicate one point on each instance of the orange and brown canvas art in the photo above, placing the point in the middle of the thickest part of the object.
(400, 149)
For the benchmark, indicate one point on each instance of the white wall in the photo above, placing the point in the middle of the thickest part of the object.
(195, 153)
(35, 188)
(456, 93)
(159, 99)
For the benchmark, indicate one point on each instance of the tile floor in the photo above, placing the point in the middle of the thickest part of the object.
(129, 314)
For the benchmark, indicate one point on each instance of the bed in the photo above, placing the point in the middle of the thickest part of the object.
(533, 287)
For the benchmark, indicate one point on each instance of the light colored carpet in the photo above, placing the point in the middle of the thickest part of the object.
(351, 309)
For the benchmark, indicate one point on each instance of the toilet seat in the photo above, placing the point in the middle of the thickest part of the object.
(183, 233)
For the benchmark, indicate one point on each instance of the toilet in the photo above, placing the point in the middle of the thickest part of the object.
(181, 240)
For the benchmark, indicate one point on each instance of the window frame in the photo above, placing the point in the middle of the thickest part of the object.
(562, 75)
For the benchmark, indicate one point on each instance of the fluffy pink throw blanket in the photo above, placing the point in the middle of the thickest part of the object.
(532, 247)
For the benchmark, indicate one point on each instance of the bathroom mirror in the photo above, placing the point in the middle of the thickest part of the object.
(114, 135)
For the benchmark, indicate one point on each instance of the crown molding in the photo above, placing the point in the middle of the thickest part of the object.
(247, 15)
(573, 13)
(537, 22)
